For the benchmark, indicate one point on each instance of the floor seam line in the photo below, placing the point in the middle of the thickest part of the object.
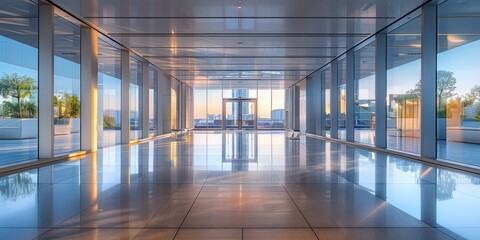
(191, 207)
(298, 208)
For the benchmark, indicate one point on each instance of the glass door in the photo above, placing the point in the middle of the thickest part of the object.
(248, 114)
(231, 114)
(239, 114)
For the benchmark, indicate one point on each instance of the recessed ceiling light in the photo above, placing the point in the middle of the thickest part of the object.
(239, 5)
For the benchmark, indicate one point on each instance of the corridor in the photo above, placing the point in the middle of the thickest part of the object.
(239, 185)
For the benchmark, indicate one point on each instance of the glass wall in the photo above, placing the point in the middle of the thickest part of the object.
(153, 102)
(403, 87)
(278, 108)
(136, 83)
(66, 98)
(109, 95)
(18, 82)
(264, 112)
(214, 106)
(200, 106)
(326, 88)
(173, 104)
(458, 84)
(364, 90)
(208, 105)
(342, 99)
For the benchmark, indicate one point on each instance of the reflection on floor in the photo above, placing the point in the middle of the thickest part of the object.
(239, 185)
(14, 151)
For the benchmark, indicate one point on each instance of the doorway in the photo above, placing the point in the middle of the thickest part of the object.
(239, 113)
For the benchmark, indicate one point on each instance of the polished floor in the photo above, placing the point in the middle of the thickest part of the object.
(239, 185)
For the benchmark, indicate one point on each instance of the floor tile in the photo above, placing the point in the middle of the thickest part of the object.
(90, 233)
(156, 234)
(379, 233)
(209, 234)
(279, 234)
(200, 219)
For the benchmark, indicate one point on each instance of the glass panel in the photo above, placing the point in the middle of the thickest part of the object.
(278, 108)
(18, 82)
(200, 107)
(231, 112)
(264, 117)
(302, 86)
(214, 107)
(109, 95)
(239, 93)
(248, 114)
(153, 102)
(458, 84)
(327, 85)
(403, 87)
(342, 99)
(179, 103)
(136, 82)
(173, 105)
(364, 87)
(66, 87)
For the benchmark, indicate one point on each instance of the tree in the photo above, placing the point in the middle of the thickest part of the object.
(19, 87)
(467, 101)
(109, 122)
(454, 103)
(57, 102)
(10, 109)
(475, 92)
(445, 86)
(68, 105)
(412, 94)
(72, 106)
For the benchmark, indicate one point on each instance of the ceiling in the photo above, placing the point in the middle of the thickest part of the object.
(242, 43)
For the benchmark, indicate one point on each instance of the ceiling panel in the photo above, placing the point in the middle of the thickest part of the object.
(254, 42)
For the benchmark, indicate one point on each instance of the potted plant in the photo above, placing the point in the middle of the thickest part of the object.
(67, 113)
(18, 114)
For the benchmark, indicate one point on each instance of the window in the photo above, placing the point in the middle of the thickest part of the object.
(403, 87)
(264, 108)
(200, 107)
(458, 84)
(173, 104)
(153, 102)
(18, 66)
(66, 97)
(278, 108)
(364, 99)
(342, 99)
(214, 106)
(136, 84)
(327, 86)
(109, 95)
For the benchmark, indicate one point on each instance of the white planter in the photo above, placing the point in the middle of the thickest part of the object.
(18, 128)
(75, 125)
(63, 126)
(463, 134)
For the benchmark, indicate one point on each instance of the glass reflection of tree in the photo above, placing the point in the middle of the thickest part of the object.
(446, 184)
(474, 180)
(14, 186)
(408, 167)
